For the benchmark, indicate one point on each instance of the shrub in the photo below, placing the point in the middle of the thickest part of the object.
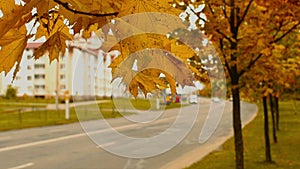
(11, 92)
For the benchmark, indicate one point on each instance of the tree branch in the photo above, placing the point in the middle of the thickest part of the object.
(251, 63)
(225, 59)
(286, 33)
(226, 37)
(210, 8)
(197, 15)
(67, 6)
(224, 9)
(278, 29)
(245, 13)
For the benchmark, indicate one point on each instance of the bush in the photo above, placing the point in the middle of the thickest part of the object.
(11, 92)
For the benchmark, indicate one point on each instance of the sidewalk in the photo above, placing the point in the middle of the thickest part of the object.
(62, 106)
(249, 112)
(39, 106)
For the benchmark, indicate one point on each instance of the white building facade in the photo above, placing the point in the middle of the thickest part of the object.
(81, 71)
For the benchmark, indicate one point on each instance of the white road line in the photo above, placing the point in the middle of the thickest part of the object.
(57, 130)
(40, 142)
(22, 166)
(71, 136)
(5, 138)
(106, 144)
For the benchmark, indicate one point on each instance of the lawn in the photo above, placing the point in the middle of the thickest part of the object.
(285, 154)
(14, 116)
(37, 118)
(20, 100)
(139, 104)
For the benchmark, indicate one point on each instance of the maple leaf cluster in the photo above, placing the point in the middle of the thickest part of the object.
(59, 20)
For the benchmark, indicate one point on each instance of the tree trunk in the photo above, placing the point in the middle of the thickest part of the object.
(272, 108)
(277, 112)
(266, 129)
(237, 125)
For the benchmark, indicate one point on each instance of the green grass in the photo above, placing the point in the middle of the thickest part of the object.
(139, 104)
(18, 120)
(285, 154)
(11, 116)
(27, 100)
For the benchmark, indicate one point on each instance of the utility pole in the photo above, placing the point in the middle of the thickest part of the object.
(104, 74)
(67, 93)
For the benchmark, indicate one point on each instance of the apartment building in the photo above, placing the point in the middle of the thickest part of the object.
(81, 70)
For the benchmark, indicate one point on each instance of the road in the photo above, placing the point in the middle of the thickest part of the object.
(69, 147)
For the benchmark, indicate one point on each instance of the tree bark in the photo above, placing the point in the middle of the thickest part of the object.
(277, 112)
(266, 131)
(237, 125)
(272, 108)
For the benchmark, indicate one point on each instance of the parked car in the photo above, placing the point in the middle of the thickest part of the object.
(215, 99)
(193, 99)
(177, 98)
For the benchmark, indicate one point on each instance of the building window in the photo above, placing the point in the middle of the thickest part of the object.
(29, 77)
(62, 66)
(62, 76)
(29, 57)
(28, 67)
(39, 86)
(39, 66)
(18, 78)
(39, 76)
(62, 87)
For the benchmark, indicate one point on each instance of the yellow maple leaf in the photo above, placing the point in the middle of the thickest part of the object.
(145, 83)
(50, 24)
(92, 6)
(87, 32)
(149, 59)
(149, 81)
(181, 50)
(7, 6)
(86, 22)
(13, 15)
(12, 45)
(43, 6)
(138, 6)
(54, 45)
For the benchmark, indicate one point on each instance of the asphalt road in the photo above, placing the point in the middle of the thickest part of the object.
(69, 147)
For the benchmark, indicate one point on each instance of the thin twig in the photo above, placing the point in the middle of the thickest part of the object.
(245, 13)
(67, 6)
(286, 33)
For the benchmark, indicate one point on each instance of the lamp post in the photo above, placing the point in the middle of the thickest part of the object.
(67, 93)
(67, 102)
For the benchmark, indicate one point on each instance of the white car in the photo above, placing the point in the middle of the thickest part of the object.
(215, 99)
(193, 99)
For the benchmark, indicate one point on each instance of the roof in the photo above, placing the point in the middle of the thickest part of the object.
(33, 45)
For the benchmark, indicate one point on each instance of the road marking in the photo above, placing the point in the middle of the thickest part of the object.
(73, 136)
(5, 138)
(22, 166)
(57, 130)
(40, 142)
(106, 144)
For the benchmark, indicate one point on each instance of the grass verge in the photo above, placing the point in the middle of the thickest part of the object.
(14, 117)
(285, 154)
(19, 120)
(136, 104)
